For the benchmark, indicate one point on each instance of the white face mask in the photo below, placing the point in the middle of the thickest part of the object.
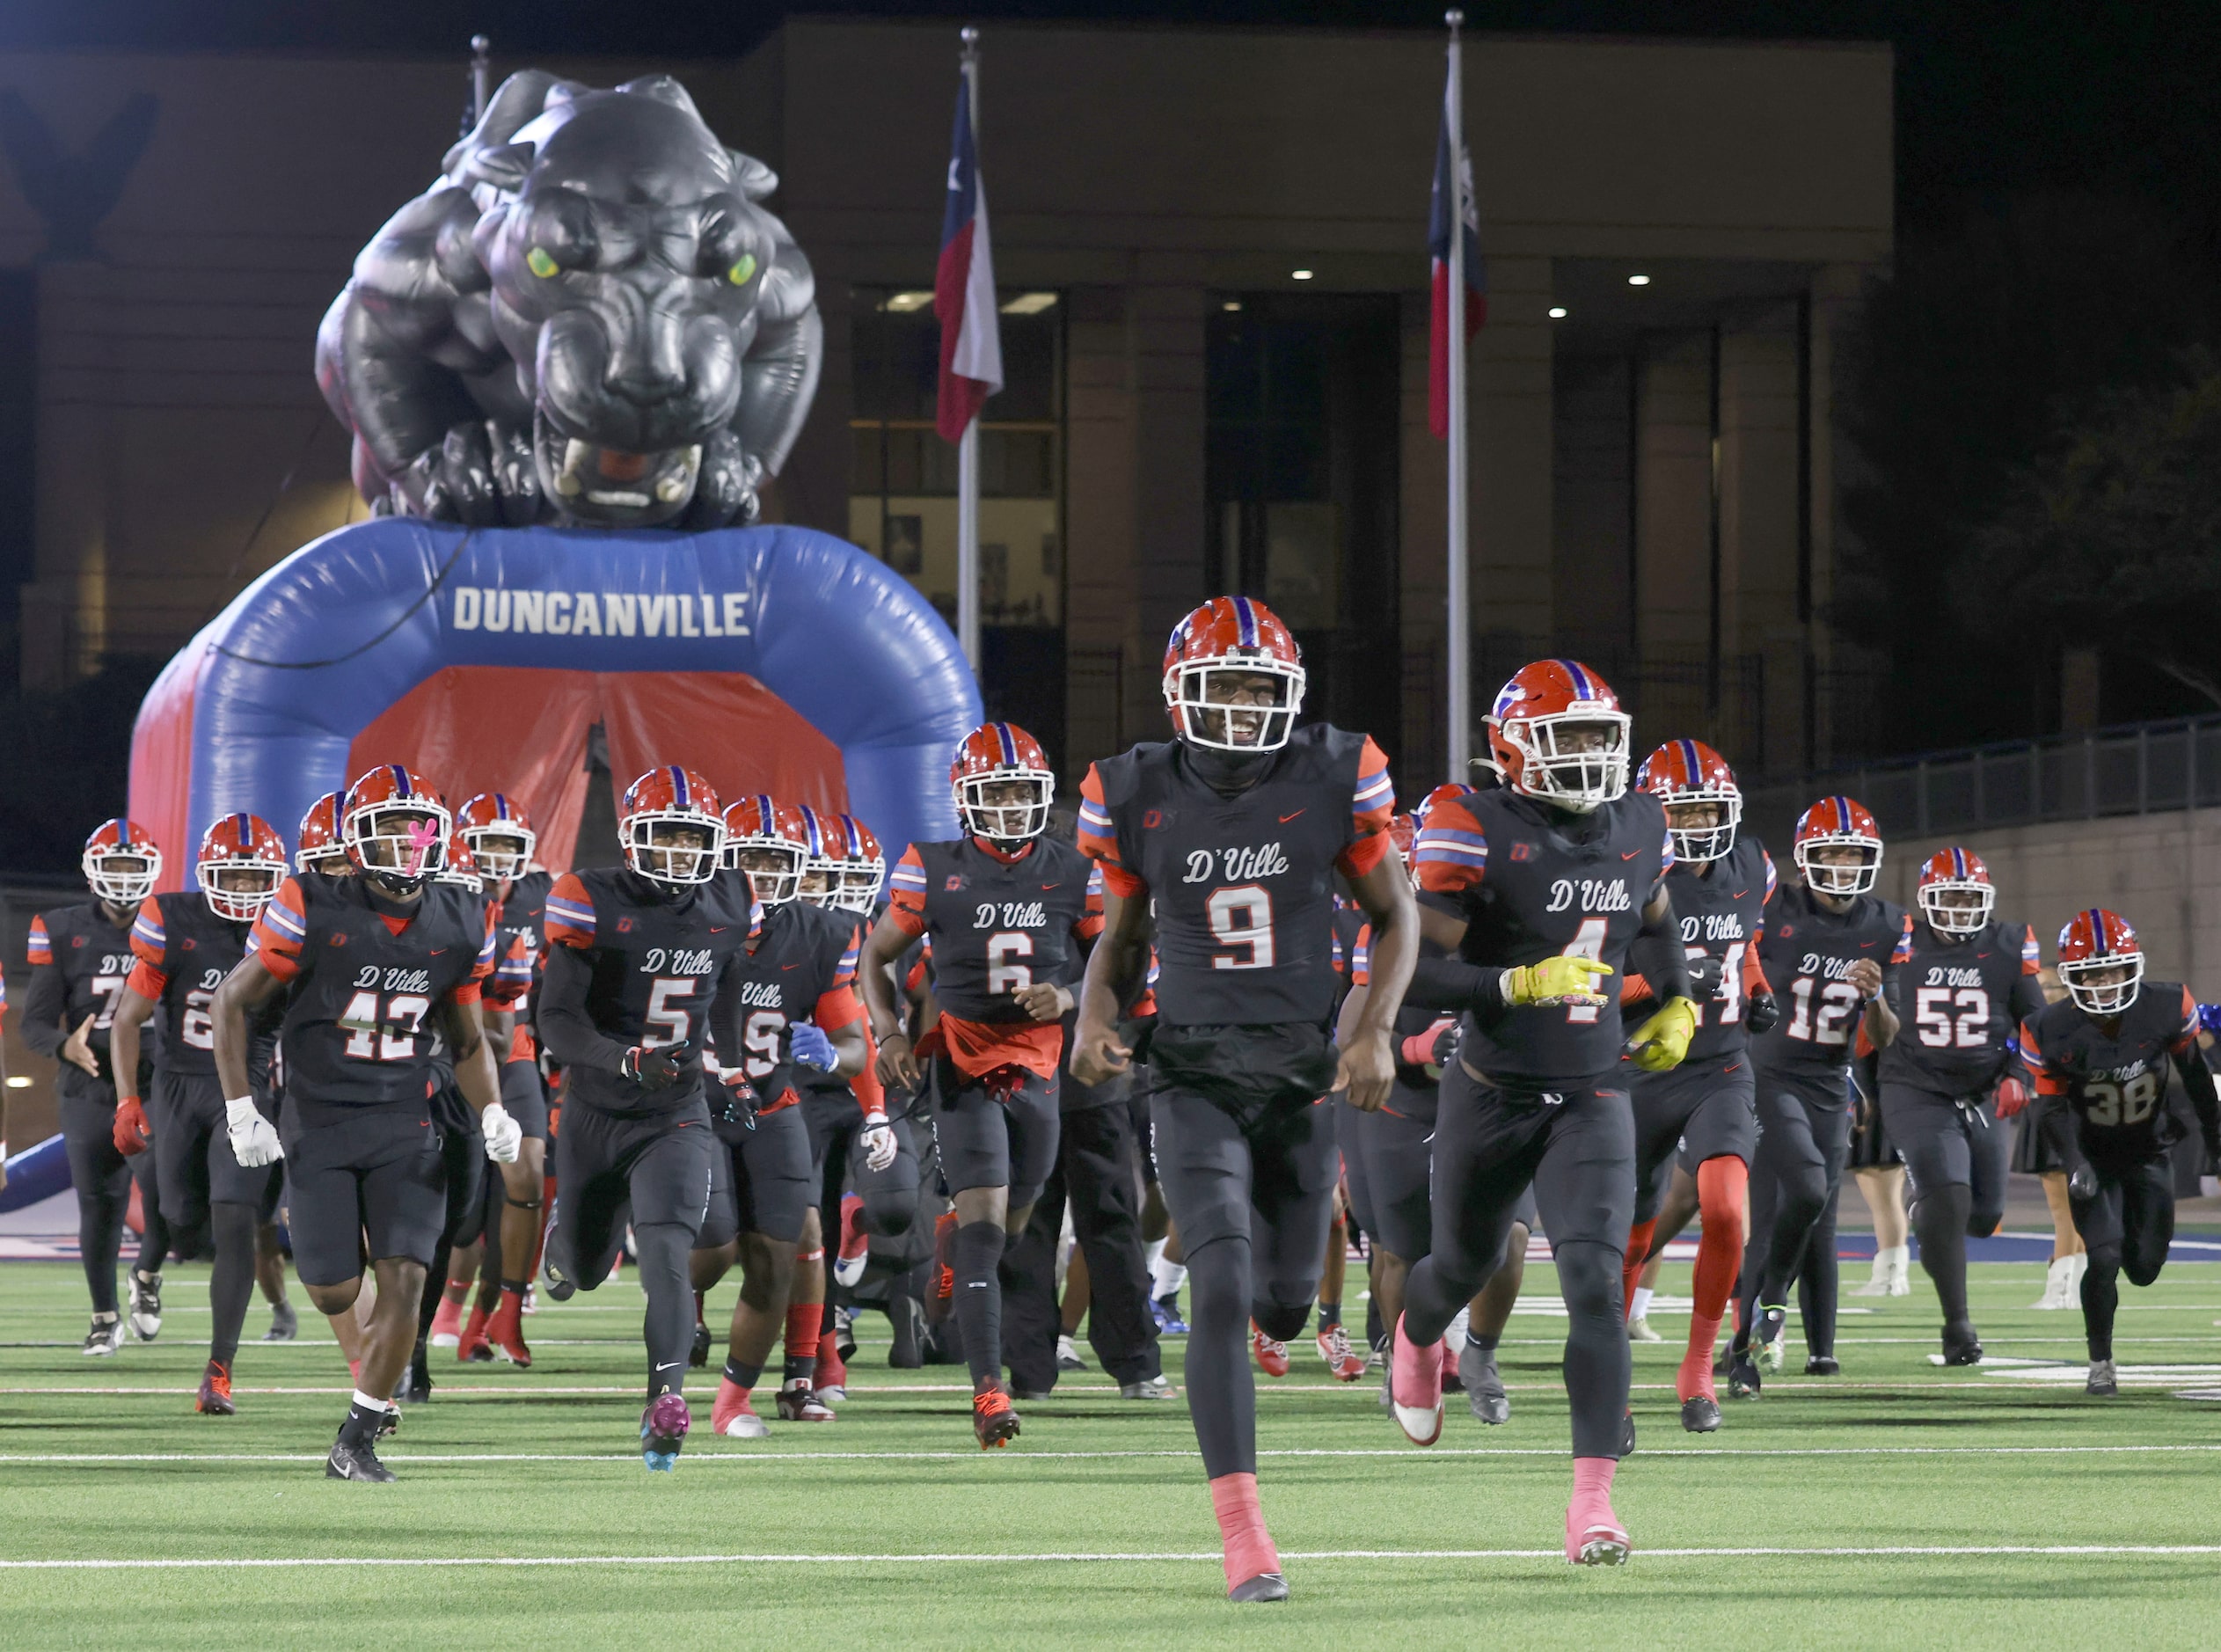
(1206, 717)
(1948, 918)
(2112, 998)
(401, 846)
(1550, 767)
(1006, 823)
(650, 852)
(1856, 878)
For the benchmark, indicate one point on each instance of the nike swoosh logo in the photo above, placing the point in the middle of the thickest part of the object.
(436, 951)
(1631, 854)
(1739, 894)
(786, 966)
(718, 929)
(1286, 818)
(1051, 886)
(671, 1365)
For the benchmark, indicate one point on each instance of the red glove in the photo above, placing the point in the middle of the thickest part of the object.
(131, 1133)
(1418, 1050)
(2013, 1095)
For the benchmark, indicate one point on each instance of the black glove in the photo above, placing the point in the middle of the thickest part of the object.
(1763, 1012)
(737, 1102)
(655, 1066)
(1446, 1044)
(1704, 979)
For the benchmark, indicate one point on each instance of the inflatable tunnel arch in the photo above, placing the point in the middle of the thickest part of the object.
(771, 658)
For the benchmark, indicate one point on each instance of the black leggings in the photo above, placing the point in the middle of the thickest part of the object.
(2127, 1224)
(103, 1178)
(1579, 1155)
(1956, 1158)
(1804, 1124)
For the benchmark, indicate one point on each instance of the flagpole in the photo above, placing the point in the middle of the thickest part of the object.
(968, 448)
(1460, 688)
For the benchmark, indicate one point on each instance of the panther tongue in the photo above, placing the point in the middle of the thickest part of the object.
(619, 466)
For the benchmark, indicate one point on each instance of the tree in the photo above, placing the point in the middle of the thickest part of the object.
(2113, 538)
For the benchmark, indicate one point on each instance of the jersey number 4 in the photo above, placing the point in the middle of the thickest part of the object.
(383, 1028)
(1241, 922)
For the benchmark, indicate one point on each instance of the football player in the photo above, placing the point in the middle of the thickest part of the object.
(1831, 950)
(1950, 1080)
(80, 958)
(186, 944)
(1003, 909)
(1559, 875)
(641, 963)
(2103, 1051)
(321, 848)
(1707, 1107)
(376, 970)
(795, 973)
(1232, 833)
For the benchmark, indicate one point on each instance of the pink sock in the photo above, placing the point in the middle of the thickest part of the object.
(1249, 1546)
(1592, 1477)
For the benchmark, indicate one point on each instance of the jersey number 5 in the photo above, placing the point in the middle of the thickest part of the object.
(1241, 921)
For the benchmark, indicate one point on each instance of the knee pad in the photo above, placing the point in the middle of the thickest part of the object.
(2105, 1260)
(888, 1216)
(1282, 1321)
(1589, 1276)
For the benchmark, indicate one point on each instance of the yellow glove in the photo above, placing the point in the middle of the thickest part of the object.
(1565, 979)
(1663, 1040)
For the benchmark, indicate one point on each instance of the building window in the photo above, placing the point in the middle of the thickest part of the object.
(902, 503)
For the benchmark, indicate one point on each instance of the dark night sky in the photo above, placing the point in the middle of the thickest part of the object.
(1991, 95)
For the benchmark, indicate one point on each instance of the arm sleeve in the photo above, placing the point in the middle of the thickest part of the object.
(2045, 1082)
(1371, 806)
(1090, 924)
(1098, 838)
(569, 919)
(278, 934)
(565, 1029)
(150, 946)
(906, 894)
(837, 1008)
(1451, 852)
(1754, 967)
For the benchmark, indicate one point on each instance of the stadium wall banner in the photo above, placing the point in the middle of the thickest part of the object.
(773, 658)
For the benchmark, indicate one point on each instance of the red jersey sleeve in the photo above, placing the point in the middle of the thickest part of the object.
(39, 946)
(512, 977)
(837, 1007)
(1903, 952)
(1754, 968)
(1098, 838)
(845, 971)
(906, 893)
(152, 946)
(278, 934)
(2047, 1083)
(2186, 1038)
(1089, 923)
(1371, 808)
(1360, 959)
(569, 919)
(2031, 960)
(1451, 852)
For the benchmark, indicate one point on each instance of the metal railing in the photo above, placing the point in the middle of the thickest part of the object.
(2136, 769)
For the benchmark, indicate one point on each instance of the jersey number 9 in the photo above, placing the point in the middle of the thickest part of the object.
(1241, 921)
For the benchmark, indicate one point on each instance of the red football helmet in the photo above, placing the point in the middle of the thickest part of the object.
(824, 851)
(662, 809)
(1683, 772)
(394, 827)
(2097, 942)
(863, 870)
(994, 756)
(461, 867)
(1440, 794)
(320, 843)
(1557, 733)
(244, 852)
(1839, 822)
(1227, 639)
(1956, 872)
(499, 834)
(121, 862)
(768, 841)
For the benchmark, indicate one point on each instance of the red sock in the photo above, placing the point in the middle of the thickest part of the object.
(803, 1320)
(1722, 1187)
(1241, 1523)
(1638, 1254)
(1592, 1477)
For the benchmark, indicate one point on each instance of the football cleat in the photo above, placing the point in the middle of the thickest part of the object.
(1823, 1365)
(1627, 1434)
(531, 1298)
(446, 1323)
(1264, 1586)
(1165, 1311)
(2103, 1384)
(1342, 1361)
(1742, 1376)
(831, 1381)
(146, 1307)
(561, 1287)
(1272, 1356)
(663, 1427)
(469, 1343)
(994, 1423)
(1639, 1331)
(1700, 1414)
(1453, 1380)
(2058, 1286)
(1960, 1346)
(215, 1399)
(798, 1402)
(1766, 1338)
(505, 1333)
(105, 1338)
(390, 1422)
(1068, 1355)
(1414, 1375)
(1594, 1536)
(1157, 1387)
(855, 1245)
(734, 1416)
(416, 1386)
(356, 1462)
(844, 1334)
(699, 1354)
(285, 1325)
(1484, 1395)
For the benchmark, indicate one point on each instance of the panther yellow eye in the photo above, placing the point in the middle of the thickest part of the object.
(539, 263)
(741, 270)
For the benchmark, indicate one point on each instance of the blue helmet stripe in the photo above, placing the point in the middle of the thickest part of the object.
(1245, 621)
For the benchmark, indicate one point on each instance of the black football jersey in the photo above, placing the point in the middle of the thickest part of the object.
(1719, 906)
(803, 954)
(80, 962)
(1959, 1001)
(659, 963)
(184, 952)
(524, 918)
(2116, 1086)
(356, 1030)
(1243, 886)
(1533, 882)
(998, 926)
(1807, 952)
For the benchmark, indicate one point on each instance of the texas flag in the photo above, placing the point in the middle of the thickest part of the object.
(964, 287)
(1453, 201)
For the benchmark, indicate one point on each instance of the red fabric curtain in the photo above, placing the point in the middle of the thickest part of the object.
(742, 737)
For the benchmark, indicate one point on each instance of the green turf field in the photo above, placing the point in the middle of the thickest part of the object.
(1095, 1528)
